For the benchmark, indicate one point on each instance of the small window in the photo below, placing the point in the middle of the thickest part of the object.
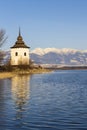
(16, 54)
(25, 54)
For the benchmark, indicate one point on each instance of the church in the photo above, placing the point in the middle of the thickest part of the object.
(20, 52)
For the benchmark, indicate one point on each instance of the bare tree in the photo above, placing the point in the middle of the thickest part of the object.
(3, 39)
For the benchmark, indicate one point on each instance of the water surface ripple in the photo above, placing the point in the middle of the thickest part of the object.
(53, 101)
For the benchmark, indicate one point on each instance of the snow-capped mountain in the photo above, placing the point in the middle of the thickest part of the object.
(59, 56)
(40, 51)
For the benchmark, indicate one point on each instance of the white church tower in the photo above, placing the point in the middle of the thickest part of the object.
(20, 52)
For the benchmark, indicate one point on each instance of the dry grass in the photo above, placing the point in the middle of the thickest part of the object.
(31, 71)
(6, 75)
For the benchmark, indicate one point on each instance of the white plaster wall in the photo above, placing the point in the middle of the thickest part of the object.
(20, 59)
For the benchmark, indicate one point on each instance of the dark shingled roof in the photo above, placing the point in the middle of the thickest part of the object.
(19, 43)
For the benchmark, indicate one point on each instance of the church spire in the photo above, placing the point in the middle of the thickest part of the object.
(20, 43)
(19, 38)
(19, 32)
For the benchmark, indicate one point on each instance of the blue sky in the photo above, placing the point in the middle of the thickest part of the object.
(45, 23)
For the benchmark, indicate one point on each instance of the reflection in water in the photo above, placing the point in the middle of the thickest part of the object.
(20, 93)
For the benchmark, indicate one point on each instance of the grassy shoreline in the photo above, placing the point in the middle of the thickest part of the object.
(4, 75)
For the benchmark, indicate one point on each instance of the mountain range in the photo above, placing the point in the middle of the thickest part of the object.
(59, 56)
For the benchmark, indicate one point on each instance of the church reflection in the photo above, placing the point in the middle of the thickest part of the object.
(20, 92)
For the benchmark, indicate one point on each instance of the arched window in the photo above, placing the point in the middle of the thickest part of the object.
(24, 53)
(16, 53)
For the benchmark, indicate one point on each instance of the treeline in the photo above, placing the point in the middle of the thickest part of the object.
(69, 68)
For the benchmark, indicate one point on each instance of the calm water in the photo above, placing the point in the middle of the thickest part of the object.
(53, 101)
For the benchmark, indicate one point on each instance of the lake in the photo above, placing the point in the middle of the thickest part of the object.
(51, 101)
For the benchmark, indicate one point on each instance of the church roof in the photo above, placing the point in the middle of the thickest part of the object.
(20, 43)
